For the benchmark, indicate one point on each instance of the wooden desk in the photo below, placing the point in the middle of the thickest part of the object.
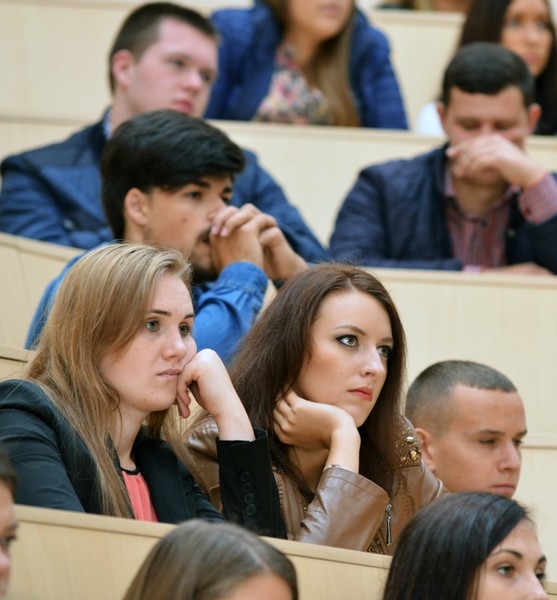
(26, 266)
(63, 556)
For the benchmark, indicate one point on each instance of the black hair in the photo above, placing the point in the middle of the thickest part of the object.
(163, 149)
(443, 546)
(487, 68)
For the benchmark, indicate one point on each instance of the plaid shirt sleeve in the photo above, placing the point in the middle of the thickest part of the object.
(538, 203)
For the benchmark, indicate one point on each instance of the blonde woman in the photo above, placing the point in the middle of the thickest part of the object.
(94, 425)
(304, 62)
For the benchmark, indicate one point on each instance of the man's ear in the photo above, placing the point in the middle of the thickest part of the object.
(427, 444)
(136, 209)
(442, 112)
(534, 114)
(122, 64)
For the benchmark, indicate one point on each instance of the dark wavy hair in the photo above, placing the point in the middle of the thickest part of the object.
(273, 353)
(484, 23)
(446, 542)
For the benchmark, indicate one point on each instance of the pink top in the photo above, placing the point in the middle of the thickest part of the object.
(139, 496)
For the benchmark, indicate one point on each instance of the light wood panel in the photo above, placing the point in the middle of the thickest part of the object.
(26, 266)
(63, 556)
(12, 361)
(507, 322)
(422, 43)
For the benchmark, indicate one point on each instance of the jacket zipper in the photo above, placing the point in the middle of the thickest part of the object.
(389, 539)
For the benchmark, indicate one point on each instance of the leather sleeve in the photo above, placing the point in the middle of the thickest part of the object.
(346, 512)
(238, 478)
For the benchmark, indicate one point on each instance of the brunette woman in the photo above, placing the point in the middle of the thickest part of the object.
(323, 369)
(468, 546)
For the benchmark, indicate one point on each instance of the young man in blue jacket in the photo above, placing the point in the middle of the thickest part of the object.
(167, 179)
(163, 57)
(478, 203)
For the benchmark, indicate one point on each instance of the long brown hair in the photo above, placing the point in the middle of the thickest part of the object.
(328, 69)
(273, 353)
(98, 309)
(201, 560)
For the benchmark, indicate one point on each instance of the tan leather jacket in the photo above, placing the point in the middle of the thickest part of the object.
(348, 510)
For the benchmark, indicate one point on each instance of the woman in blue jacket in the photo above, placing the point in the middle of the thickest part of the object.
(305, 62)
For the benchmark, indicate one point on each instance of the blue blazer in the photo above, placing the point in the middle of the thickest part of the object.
(394, 216)
(249, 40)
(53, 194)
(56, 470)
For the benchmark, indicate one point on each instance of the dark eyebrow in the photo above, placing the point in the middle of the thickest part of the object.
(496, 432)
(385, 340)
(205, 184)
(519, 555)
(166, 313)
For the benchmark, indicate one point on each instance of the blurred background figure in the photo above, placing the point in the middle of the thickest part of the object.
(210, 561)
(469, 546)
(440, 5)
(304, 62)
(525, 27)
(8, 522)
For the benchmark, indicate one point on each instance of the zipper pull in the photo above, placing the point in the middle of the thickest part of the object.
(389, 519)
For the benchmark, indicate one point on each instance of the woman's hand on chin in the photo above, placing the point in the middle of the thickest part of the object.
(207, 379)
(310, 425)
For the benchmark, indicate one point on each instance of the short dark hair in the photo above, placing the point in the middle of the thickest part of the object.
(428, 397)
(141, 29)
(163, 149)
(444, 545)
(8, 474)
(487, 68)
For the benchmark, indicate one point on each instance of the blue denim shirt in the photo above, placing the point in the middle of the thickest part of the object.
(224, 309)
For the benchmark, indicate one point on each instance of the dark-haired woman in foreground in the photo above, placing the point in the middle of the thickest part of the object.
(468, 546)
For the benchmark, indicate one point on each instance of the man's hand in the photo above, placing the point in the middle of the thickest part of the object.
(279, 260)
(235, 235)
(472, 158)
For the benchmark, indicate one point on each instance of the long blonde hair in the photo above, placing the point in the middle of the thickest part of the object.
(98, 309)
(328, 69)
